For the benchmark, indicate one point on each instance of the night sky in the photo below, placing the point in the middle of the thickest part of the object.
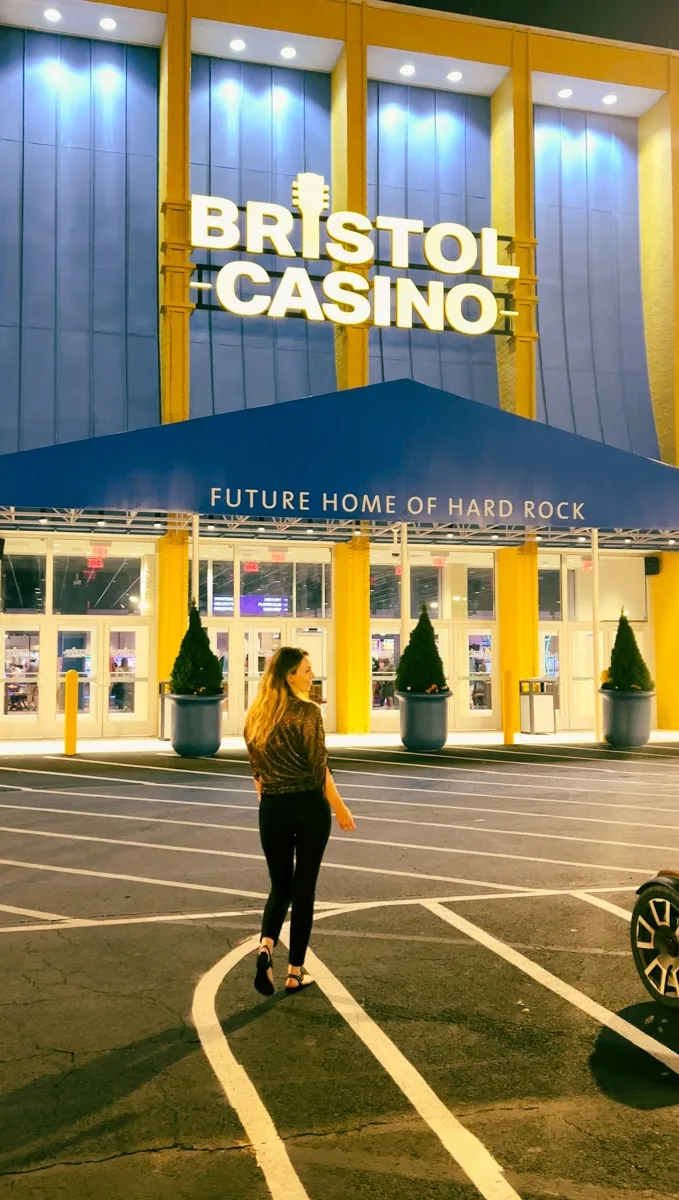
(652, 23)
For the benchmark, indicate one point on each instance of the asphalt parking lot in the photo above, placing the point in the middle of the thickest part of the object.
(478, 1028)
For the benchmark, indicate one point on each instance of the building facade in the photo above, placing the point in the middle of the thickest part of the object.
(111, 119)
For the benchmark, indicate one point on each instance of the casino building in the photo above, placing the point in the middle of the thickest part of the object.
(211, 210)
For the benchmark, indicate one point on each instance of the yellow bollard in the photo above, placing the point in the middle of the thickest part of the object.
(71, 712)
(509, 708)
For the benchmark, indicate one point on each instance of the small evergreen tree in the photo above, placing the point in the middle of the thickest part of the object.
(196, 671)
(420, 668)
(628, 671)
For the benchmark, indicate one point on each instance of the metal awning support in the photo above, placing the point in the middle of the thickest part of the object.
(596, 648)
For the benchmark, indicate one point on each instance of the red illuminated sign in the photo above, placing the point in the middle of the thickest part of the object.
(251, 568)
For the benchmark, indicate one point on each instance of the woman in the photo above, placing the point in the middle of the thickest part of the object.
(286, 744)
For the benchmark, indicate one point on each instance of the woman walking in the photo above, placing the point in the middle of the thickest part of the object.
(286, 745)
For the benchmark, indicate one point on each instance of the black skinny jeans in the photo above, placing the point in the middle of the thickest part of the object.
(294, 829)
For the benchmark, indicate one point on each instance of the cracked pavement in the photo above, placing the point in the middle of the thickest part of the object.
(105, 1092)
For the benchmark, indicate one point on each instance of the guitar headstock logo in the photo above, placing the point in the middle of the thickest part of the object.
(311, 195)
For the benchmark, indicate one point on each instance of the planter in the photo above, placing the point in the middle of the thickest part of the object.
(424, 719)
(627, 717)
(196, 725)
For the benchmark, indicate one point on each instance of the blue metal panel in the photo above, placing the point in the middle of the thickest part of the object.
(253, 129)
(429, 158)
(78, 238)
(592, 369)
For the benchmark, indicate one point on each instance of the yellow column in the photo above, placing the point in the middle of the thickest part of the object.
(513, 213)
(349, 174)
(173, 226)
(175, 306)
(173, 588)
(517, 613)
(659, 228)
(351, 606)
(665, 596)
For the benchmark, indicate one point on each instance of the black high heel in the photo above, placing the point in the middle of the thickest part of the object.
(264, 963)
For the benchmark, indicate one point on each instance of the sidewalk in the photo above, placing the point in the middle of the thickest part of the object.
(335, 741)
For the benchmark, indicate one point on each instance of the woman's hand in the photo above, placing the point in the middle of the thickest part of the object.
(345, 820)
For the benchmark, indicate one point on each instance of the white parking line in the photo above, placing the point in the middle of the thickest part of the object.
(499, 775)
(599, 902)
(482, 831)
(603, 1016)
(204, 850)
(153, 919)
(270, 1152)
(464, 1148)
(170, 883)
(32, 912)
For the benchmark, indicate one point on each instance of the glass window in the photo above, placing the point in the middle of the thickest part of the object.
(309, 583)
(21, 666)
(385, 651)
(425, 588)
(622, 585)
(203, 568)
(23, 583)
(549, 594)
(481, 593)
(266, 589)
(480, 672)
(385, 591)
(222, 589)
(74, 653)
(123, 670)
(97, 585)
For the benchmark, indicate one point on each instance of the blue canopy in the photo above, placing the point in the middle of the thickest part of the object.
(392, 451)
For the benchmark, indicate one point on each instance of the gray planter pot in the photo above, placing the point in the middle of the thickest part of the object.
(424, 719)
(196, 725)
(627, 717)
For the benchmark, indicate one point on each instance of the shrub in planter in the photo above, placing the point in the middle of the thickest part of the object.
(627, 691)
(197, 689)
(422, 689)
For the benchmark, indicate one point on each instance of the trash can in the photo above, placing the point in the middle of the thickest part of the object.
(537, 705)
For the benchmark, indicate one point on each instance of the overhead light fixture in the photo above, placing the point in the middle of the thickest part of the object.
(288, 52)
(610, 99)
(582, 539)
(628, 541)
(454, 76)
(237, 45)
(407, 69)
(565, 93)
(107, 24)
(311, 531)
(210, 528)
(42, 521)
(261, 529)
(672, 542)
(100, 523)
(157, 525)
(52, 14)
(494, 537)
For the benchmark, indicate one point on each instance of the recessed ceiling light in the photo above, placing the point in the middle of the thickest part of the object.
(100, 523)
(494, 536)
(450, 535)
(108, 24)
(565, 93)
(42, 521)
(157, 525)
(237, 45)
(672, 542)
(454, 77)
(288, 52)
(407, 69)
(610, 99)
(310, 531)
(210, 528)
(582, 539)
(628, 541)
(52, 14)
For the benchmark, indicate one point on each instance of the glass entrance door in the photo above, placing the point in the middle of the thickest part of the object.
(475, 701)
(112, 660)
(20, 710)
(261, 641)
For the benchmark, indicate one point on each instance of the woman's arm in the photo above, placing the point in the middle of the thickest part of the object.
(342, 813)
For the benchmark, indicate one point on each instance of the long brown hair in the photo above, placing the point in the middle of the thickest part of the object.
(273, 696)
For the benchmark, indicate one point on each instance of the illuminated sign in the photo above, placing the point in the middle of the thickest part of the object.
(346, 295)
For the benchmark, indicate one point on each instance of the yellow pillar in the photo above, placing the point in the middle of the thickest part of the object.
(172, 564)
(71, 712)
(512, 182)
(175, 306)
(517, 614)
(174, 221)
(349, 116)
(351, 606)
(665, 597)
(659, 228)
